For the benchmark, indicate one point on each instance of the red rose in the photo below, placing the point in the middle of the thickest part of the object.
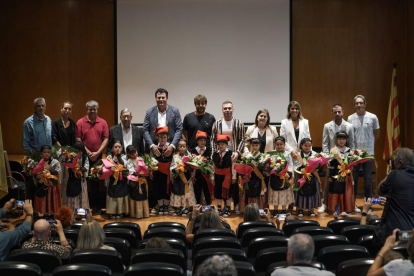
(93, 171)
(100, 171)
(279, 161)
(25, 161)
(268, 160)
(355, 151)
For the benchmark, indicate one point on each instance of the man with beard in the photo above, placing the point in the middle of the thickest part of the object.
(126, 133)
(199, 120)
(328, 142)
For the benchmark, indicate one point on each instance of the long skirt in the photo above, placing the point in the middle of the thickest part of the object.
(138, 209)
(117, 205)
(308, 202)
(80, 201)
(49, 203)
(283, 197)
(64, 176)
(346, 200)
(186, 200)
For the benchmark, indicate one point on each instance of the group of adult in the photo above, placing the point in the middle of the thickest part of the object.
(38, 130)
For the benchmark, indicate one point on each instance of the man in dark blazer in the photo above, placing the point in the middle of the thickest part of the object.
(126, 133)
(162, 115)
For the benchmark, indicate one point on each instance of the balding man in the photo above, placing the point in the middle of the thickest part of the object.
(42, 233)
(299, 256)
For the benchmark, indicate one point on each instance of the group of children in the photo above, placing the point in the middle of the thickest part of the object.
(177, 187)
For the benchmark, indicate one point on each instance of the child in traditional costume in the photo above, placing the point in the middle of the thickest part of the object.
(224, 177)
(46, 178)
(117, 198)
(280, 191)
(341, 188)
(201, 181)
(161, 177)
(77, 187)
(308, 197)
(182, 192)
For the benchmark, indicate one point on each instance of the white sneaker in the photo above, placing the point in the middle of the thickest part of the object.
(357, 209)
(322, 209)
(236, 209)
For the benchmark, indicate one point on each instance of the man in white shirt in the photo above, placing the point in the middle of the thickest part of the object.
(299, 256)
(328, 142)
(366, 130)
(162, 115)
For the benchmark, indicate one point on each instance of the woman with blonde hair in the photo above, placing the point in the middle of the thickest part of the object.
(91, 236)
(210, 219)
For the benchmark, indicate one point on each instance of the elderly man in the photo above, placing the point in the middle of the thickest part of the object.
(199, 120)
(328, 142)
(398, 187)
(162, 115)
(42, 233)
(366, 129)
(299, 256)
(234, 129)
(11, 236)
(37, 129)
(217, 265)
(126, 133)
(93, 132)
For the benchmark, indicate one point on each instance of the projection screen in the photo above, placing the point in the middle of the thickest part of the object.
(237, 50)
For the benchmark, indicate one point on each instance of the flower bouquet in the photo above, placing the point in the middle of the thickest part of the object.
(266, 162)
(151, 163)
(30, 162)
(46, 177)
(280, 169)
(199, 162)
(311, 163)
(244, 167)
(358, 156)
(96, 171)
(143, 171)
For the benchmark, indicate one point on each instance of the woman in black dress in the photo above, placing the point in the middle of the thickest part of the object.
(63, 134)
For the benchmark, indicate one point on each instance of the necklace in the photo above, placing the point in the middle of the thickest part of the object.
(65, 125)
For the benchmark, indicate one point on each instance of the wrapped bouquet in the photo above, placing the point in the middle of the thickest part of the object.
(201, 163)
(143, 171)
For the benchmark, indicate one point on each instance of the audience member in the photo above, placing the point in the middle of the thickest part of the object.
(390, 256)
(398, 267)
(366, 217)
(65, 215)
(11, 236)
(41, 235)
(398, 186)
(157, 243)
(217, 266)
(91, 236)
(289, 217)
(209, 220)
(299, 256)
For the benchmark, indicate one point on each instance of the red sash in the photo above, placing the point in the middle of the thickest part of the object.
(227, 181)
(165, 169)
(210, 186)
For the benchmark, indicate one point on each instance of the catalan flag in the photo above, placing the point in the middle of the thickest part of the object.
(392, 138)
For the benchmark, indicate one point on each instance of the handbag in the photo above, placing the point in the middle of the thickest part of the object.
(74, 186)
(380, 231)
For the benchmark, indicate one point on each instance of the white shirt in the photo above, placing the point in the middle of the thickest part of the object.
(127, 136)
(364, 127)
(227, 129)
(162, 117)
(399, 267)
(337, 128)
(300, 271)
(198, 150)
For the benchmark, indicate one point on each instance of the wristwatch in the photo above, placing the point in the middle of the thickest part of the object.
(364, 214)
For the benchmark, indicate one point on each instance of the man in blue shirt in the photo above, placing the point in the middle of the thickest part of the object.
(37, 129)
(13, 236)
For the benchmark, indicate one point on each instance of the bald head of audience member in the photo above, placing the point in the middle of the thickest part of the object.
(300, 249)
(41, 230)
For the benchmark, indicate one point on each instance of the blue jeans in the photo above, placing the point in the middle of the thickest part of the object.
(367, 169)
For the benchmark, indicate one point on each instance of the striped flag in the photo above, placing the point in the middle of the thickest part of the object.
(392, 138)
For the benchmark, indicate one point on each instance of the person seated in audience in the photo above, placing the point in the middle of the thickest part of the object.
(251, 213)
(217, 265)
(91, 236)
(366, 217)
(209, 220)
(157, 243)
(9, 235)
(398, 267)
(42, 233)
(299, 254)
(65, 215)
(390, 256)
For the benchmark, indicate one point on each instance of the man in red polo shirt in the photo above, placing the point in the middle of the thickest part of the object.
(93, 132)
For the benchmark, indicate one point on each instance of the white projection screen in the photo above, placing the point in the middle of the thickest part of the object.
(236, 50)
